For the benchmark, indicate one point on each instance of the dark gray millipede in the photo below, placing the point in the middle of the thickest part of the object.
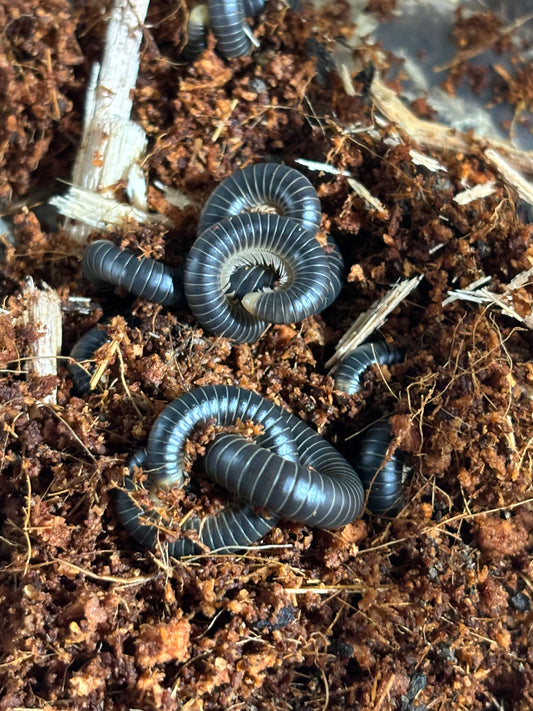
(255, 238)
(349, 372)
(324, 491)
(237, 525)
(263, 184)
(329, 494)
(383, 481)
(283, 188)
(226, 20)
(105, 263)
(84, 350)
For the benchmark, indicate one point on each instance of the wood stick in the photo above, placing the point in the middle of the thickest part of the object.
(43, 310)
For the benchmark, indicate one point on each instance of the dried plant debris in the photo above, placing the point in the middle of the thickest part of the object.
(427, 607)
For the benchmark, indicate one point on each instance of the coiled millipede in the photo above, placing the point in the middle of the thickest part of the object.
(290, 275)
(279, 243)
(233, 236)
(317, 486)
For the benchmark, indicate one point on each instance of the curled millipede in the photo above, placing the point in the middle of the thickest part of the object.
(330, 496)
(225, 404)
(237, 525)
(294, 198)
(384, 483)
(349, 372)
(104, 263)
(278, 243)
(83, 351)
(263, 184)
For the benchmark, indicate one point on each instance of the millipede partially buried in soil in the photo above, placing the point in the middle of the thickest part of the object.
(383, 481)
(226, 19)
(83, 351)
(350, 370)
(104, 263)
(311, 483)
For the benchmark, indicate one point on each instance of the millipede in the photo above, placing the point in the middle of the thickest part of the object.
(83, 351)
(382, 480)
(263, 185)
(226, 19)
(279, 243)
(237, 525)
(350, 370)
(104, 263)
(298, 473)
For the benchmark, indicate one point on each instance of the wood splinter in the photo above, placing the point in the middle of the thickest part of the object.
(43, 310)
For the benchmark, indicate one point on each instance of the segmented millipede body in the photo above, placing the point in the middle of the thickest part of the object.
(237, 525)
(84, 350)
(336, 269)
(226, 19)
(280, 243)
(263, 184)
(254, 278)
(254, 7)
(105, 263)
(329, 497)
(322, 491)
(294, 198)
(196, 32)
(248, 279)
(384, 484)
(349, 372)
